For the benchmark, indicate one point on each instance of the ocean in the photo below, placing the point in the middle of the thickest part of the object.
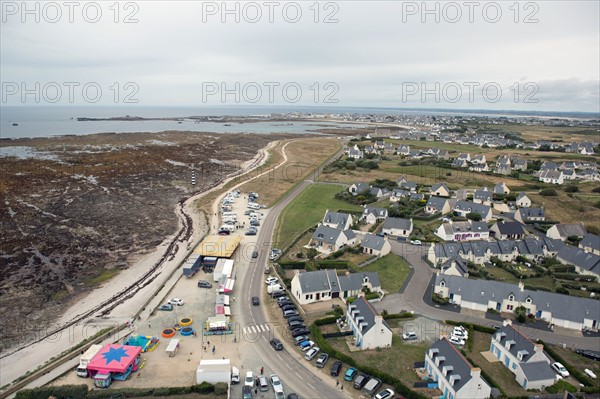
(46, 121)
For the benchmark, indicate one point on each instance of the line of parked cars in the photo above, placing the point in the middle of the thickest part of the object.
(459, 336)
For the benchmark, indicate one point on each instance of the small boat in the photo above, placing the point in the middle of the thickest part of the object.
(227, 124)
(15, 124)
(180, 122)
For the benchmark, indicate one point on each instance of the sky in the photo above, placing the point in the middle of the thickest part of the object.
(536, 55)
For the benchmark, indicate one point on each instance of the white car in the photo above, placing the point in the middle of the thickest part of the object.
(176, 301)
(249, 381)
(460, 333)
(276, 383)
(409, 336)
(385, 394)
(560, 369)
(271, 280)
(456, 341)
(415, 242)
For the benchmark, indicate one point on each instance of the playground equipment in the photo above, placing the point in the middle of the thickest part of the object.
(147, 343)
(168, 333)
(186, 321)
(186, 331)
(114, 362)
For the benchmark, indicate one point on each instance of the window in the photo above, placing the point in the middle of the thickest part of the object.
(509, 307)
(514, 366)
(511, 297)
(528, 300)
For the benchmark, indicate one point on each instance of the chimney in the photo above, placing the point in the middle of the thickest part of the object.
(378, 320)
(521, 286)
(538, 348)
(475, 372)
(361, 294)
(507, 322)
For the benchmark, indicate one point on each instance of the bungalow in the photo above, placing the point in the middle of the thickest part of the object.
(378, 192)
(403, 150)
(463, 208)
(375, 245)
(355, 154)
(480, 252)
(463, 231)
(522, 357)
(415, 154)
(455, 376)
(327, 239)
(397, 227)
(548, 165)
(438, 205)
(523, 201)
(590, 243)
(562, 231)
(503, 230)
(398, 194)
(372, 215)
(408, 185)
(440, 190)
(479, 163)
(323, 285)
(416, 197)
(585, 262)
(337, 220)
(569, 174)
(551, 176)
(371, 150)
(503, 160)
(358, 188)
(483, 197)
(529, 215)
(501, 189)
(369, 328)
(459, 163)
(566, 311)
(455, 267)
(389, 148)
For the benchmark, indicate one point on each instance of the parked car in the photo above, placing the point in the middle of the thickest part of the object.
(295, 318)
(247, 392)
(409, 336)
(284, 303)
(271, 280)
(336, 367)
(296, 324)
(276, 383)
(254, 254)
(289, 313)
(350, 374)
(312, 352)
(288, 307)
(385, 394)
(360, 381)
(300, 331)
(276, 344)
(293, 396)
(176, 301)
(204, 284)
(456, 341)
(283, 298)
(250, 232)
(594, 355)
(560, 369)
(372, 386)
(299, 339)
(249, 380)
(166, 306)
(322, 360)
(278, 294)
(255, 301)
(415, 242)
(306, 345)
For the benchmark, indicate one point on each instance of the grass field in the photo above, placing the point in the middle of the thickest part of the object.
(567, 210)
(392, 270)
(307, 210)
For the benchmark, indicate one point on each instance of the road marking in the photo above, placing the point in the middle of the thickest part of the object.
(280, 358)
(310, 385)
(289, 367)
(262, 328)
(267, 327)
(297, 375)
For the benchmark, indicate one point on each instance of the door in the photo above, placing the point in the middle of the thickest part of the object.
(318, 296)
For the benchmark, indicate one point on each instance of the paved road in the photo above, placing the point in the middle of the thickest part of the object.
(412, 299)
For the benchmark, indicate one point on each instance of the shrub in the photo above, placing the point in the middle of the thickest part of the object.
(596, 190)
(548, 192)
(62, 391)
(474, 216)
(220, 388)
(439, 299)
(571, 189)
(205, 387)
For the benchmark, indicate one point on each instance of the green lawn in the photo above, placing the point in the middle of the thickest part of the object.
(392, 270)
(307, 210)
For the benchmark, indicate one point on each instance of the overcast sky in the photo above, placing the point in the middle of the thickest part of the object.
(369, 54)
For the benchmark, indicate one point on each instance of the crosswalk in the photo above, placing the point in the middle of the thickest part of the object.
(255, 328)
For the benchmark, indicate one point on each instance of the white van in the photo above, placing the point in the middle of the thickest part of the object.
(227, 227)
(253, 205)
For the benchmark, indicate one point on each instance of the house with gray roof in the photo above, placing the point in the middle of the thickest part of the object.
(459, 163)
(379, 192)
(562, 231)
(372, 215)
(530, 215)
(504, 230)
(398, 193)
(438, 205)
(397, 227)
(337, 220)
(455, 376)
(585, 262)
(375, 245)
(551, 176)
(323, 285)
(455, 267)
(416, 197)
(523, 201)
(524, 358)
(463, 208)
(590, 243)
(440, 190)
(408, 185)
(358, 188)
(566, 311)
(480, 252)
(483, 197)
(501, 188)
(326, 239)
(463, 231)
(355, 154)
(369, 328)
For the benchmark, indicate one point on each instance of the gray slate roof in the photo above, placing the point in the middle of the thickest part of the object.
(466, 206)
(571, 229)
(578, 257)
(354, 281)
(483, 195)
(591, 241)
(521, 195)
(330, 235)
(520, 343)
(464, 227)
(509, 228)
(436, 203)
(527, 246)
(361, 187)
(460, 365)
(324, 280)
(336, 218)
(563, 307)
(397, 223)
(314, 281)
(435, 187)
(377, 212)
(367, 311)
(527, 213)
(372, 241)
(537, 371)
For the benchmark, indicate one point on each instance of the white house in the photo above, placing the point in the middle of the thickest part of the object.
(368, 327)
(322, 285)
(525, 359)
(397, 227)
(438, 205)
(440, 190)
(455, 376)
(463, 231)
(501, 188)
(562, 231)
(328, 239)
(373, 215)
(525, 215)
(590, 243)
(483, 197)
(504, 230)
(552, 176)
(375, 245)
(523, 201)
(358, 188)
(463, 208)
(455, 267)
(585, 262)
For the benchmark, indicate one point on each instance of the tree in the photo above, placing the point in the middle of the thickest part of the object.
(474, 216)
(548, 192)
(311, 253)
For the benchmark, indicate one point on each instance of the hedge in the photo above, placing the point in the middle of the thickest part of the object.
(81, 391)
(399, 387)
(326, 320)
(292, 265)
(62, 391)
(332, 264)
(582, 378)
(405, 315)
(468, 326)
